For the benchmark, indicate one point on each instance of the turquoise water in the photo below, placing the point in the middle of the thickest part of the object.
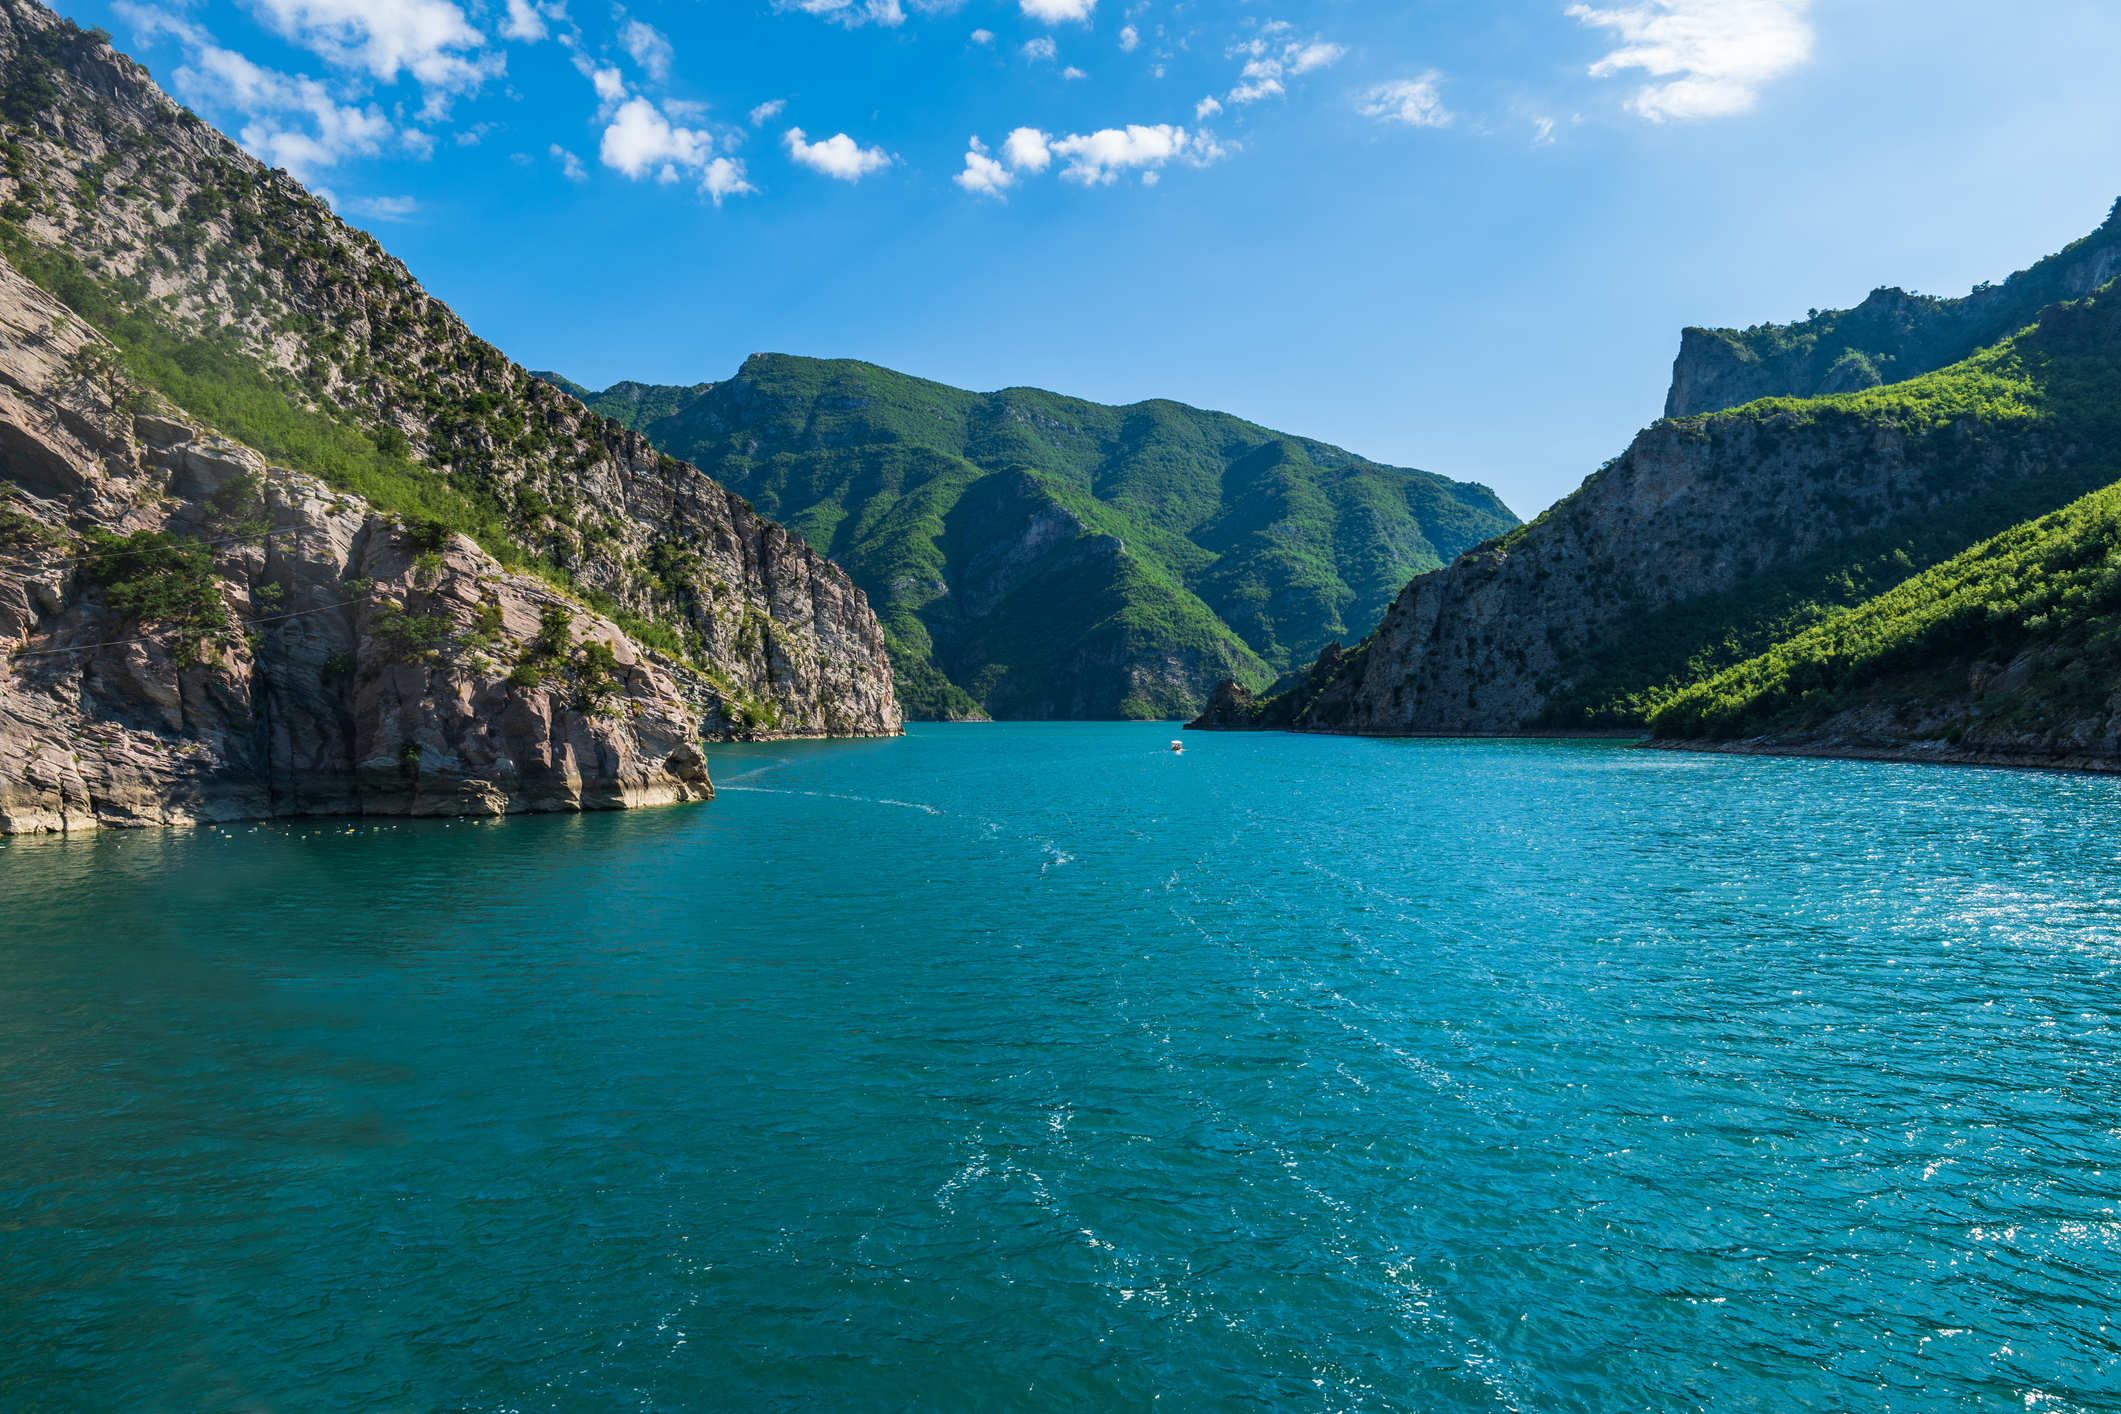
(1030, 1067)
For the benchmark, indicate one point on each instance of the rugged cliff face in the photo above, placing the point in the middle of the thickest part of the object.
(192, 636)
(1713, 538)
(246, 304)
(1892, 336)
(443, 587)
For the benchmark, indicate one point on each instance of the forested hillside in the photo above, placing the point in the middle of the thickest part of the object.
(1703, 581)
(1035, 555)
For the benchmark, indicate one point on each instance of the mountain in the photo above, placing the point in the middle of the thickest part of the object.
(2009, 652)
(1716, 537)
(221, 401)
(1033, 555)
(1889, 338)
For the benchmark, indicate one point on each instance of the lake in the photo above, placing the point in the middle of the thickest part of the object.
(1033, 1067)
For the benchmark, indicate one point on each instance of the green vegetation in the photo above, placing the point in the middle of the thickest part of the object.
(2054, 385)
(1031, 555)
(161, 580)
(216, 381)
(2053, 583)
(1895, 335)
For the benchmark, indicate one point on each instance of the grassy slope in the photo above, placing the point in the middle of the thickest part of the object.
(2049, 387)
(1242, 544)
(2050, 582)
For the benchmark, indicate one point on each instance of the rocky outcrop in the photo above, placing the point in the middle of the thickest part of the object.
(1694, 510)
(1890, 337)
(139, 213)
(191, 634)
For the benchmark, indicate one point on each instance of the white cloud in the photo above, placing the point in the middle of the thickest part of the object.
(1054, 12)
(611, 89)
(294, 121)
(837, 156)
(649, 48)
(429, 39)
(1028, 150)
(1039, 49)
(1071, 72)
(1723, 51)
(1206, 108)
(851, 13)
(641, 138)
(1150, 178)
(1265, 76)
(724, 176)
(983, 36)
(1129, 38)
(1542, 131)
(767, 111)
(1101, 156)
(570, 165)
(526, 19)
(983, 176)
(1415, 102)
(382, 208)
(1265, 69)
(1302, 59)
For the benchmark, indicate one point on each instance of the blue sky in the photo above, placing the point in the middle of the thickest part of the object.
(1459, 236)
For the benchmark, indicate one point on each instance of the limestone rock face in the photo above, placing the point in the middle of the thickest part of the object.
(356, 671)
(118, 195)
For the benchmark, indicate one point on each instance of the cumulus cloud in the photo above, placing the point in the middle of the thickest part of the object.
(983, 36)
(430, 39)
(767, 111)
(724, 176)
(837, 156)
(1206, 108)
(983, 176)
(1071, 72)
(649, 48)
(1028, 150)
(851, 13)
(1054, 12)
(526, 20)
(1039, 49)
(293, 121)
(1302, 59)
(1415, 102)
(570, 165)
(641, 138)
(1098, 158)
(1722, 51)
(1129, 38)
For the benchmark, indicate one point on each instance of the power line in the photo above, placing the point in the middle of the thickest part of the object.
(124, 642)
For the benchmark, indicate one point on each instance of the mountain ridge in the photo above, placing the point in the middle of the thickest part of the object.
(1717, 536)
(1191, 544)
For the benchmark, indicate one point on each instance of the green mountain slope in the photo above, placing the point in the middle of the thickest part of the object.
(1672, 586)
(1034, 555)
(2043, 596)
(1891, 337)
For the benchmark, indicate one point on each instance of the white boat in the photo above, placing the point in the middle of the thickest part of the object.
(1178, 746)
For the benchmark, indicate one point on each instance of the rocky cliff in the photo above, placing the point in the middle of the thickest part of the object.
(1712, 538)
(1890, 337)
(190, 304)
